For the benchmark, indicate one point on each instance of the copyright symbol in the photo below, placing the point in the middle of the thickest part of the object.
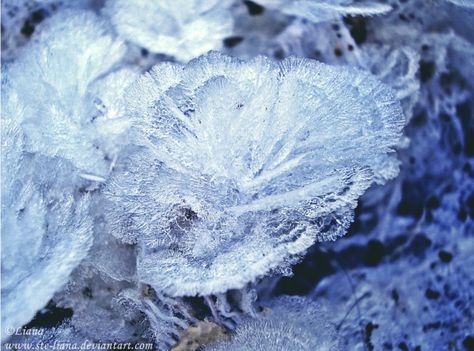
(10, 331)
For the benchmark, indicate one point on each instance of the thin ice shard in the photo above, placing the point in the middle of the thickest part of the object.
(326, 10)
(464, 3)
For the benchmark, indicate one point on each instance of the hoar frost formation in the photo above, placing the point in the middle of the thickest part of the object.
(212, 204)
(172, 169)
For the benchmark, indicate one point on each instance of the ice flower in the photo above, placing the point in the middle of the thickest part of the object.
(46, 227)
(58, 99)
(238, 167)
(59, 80)
(183, 29)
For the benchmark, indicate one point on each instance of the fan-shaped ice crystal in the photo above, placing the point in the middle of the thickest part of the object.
(22, 18)
(180, 28)
(46, 230)
(56, 80)
(292, 323)
(241, 166)
(326, 10)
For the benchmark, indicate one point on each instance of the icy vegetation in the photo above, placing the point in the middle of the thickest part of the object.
(274, 175)
(230, 204)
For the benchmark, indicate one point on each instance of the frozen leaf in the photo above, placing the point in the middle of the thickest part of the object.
(201, 334)
(239, 167)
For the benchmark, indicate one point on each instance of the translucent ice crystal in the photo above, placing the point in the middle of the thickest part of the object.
(98, 313)
(238, 167)
(180, 28)
(397, 68)
(464, 3)
(57, 81)
(46, 230)
(326, 10)
(291, 323)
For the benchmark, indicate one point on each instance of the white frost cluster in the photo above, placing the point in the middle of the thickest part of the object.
(53, 128)
(180, 28)
(46, 227)
(21, 18)
(60, 87)
(290, 323)
(122, 193)
(238, 167)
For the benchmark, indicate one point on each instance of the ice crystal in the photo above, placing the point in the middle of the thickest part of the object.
(167, 317)
(110, 256)
(214, 178)
(240, 166)
(22, 18)
(290, 323)
(326, 10)
(183, 29)
(98, 313)
(398, 68)
(58, 84)
(46, 230)
(464, 3)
